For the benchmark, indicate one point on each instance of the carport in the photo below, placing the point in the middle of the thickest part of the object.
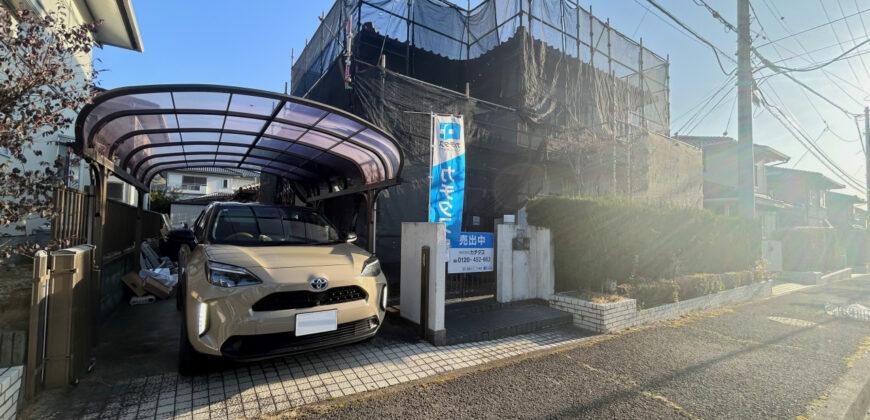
(318, 152)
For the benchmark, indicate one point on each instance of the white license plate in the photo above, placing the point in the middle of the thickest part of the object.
(316, 322)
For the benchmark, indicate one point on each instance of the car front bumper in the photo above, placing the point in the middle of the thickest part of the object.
(235, 331)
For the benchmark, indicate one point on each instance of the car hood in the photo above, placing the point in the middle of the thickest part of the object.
(285, 256)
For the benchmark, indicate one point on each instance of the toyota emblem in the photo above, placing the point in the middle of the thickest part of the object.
(319, 283)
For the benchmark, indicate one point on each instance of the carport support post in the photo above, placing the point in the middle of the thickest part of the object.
(100, 184)
(372, 213)
(140, 203)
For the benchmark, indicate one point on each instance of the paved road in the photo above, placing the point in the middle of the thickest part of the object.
(775, 358)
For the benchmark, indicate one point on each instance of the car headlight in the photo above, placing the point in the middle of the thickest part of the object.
(384, 298)
(371, 267)
(202, 319)
(225, 275)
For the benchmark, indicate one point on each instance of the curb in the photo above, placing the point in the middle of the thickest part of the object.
(850, 397)
(859, 276)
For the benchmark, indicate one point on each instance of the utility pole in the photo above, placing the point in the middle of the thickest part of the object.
(745, 157)
(867, 158)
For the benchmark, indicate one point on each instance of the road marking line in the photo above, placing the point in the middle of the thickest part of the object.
(792, 321)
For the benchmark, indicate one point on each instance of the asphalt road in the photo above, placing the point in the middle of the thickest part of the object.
(775, 358)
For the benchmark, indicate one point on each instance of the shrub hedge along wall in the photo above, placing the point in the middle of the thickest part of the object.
(597, 241)
(810, 249)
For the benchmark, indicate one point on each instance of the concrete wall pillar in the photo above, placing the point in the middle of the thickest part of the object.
(524, 273)
(414, 237)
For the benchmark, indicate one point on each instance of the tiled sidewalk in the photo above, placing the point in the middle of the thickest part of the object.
(280, 384)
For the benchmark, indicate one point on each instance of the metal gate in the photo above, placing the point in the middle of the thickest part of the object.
(469, 285)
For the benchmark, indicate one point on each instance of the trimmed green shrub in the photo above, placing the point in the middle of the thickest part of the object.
(650, 294)
(597, 241)
(854, 243)
(810, 249)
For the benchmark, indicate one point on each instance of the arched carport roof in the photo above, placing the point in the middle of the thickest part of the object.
(141, 131)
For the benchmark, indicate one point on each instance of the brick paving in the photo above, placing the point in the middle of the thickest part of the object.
(279, 384)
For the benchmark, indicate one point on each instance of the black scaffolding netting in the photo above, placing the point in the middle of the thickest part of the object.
(554, 100)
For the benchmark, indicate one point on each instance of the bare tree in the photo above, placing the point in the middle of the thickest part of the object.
(42, 86)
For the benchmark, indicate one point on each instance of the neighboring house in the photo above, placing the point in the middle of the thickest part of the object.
(192, 183)
(117, 28)
(720, 178)
(808, 192)
(842, 212)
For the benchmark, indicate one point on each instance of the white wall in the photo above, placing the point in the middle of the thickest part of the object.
(51, 147)
(214, 183)
(414, 237)
(524, 274)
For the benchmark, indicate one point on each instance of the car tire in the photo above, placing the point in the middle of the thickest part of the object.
(182, 269)
(179, 292)
(190, 361)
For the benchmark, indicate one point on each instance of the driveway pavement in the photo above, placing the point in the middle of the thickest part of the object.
(775, 358)
(135, 376)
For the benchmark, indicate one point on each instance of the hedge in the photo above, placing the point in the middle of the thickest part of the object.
(654, 293)
(810, 249)
(597, 241)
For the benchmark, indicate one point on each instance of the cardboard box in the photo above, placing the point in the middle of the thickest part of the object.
(135, 283)
(156, 288)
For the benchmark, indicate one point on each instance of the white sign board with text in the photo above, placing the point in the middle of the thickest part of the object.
(471, 252)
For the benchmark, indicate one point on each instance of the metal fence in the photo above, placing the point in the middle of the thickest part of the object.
(469, 285)
(121, 220)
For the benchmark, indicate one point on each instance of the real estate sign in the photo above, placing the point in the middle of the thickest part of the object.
(447, 185)
(471, 253)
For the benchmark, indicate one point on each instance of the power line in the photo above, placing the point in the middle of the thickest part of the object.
(837, 37)
(716, 50)
(849, 28)
(827, 63)
(794, 129)
(812, 29)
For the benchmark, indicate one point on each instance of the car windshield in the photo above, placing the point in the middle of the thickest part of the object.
(261, 226)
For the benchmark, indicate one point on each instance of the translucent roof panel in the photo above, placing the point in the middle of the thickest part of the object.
(150, 129)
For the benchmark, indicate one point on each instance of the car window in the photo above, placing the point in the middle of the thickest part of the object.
(199, 225)
(263, 225)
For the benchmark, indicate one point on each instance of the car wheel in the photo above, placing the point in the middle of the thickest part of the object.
(179, 292)
(190, 361)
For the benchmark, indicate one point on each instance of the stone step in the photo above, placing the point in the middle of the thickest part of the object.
(470, 323)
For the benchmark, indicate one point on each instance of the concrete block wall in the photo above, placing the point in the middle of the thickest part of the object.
(616, 316)
(11, 381)
(598, 317)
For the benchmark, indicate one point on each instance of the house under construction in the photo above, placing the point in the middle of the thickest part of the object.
(555, 102)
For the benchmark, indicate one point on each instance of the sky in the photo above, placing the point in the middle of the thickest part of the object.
(250, 44)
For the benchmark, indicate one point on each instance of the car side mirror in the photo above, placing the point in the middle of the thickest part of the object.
(350, 238)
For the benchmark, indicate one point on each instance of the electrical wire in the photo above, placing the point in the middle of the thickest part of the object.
(716, 50)
(811, 29)
(794, 129)
(837, 37)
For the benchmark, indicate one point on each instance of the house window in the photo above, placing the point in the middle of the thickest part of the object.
(226, 183)
(115, 191)
(821, 199)
(193, 183)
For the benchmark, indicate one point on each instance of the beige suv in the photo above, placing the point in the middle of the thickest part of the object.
(269, 280)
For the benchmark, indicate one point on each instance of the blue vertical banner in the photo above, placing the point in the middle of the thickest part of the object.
(447, 185)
